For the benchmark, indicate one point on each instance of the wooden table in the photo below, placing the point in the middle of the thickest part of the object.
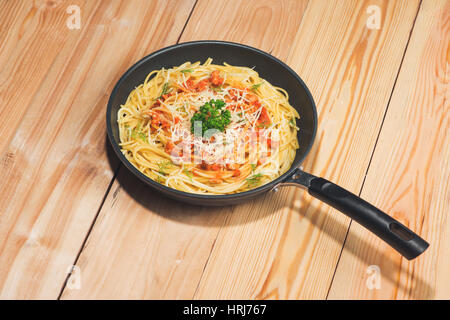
(75, 224)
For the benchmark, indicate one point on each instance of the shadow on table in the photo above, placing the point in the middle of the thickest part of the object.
(255, 210)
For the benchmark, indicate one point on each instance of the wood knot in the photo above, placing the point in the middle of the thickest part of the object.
(8, 159)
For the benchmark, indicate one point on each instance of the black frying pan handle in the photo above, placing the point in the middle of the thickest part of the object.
(399, 237)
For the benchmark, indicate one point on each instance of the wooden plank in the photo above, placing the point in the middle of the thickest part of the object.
(409, 175)
(270, 26)
(55, 171)
(144, 245)
(287, 246)
(24, 29)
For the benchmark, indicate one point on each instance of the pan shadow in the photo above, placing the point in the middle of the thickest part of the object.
(217, 217)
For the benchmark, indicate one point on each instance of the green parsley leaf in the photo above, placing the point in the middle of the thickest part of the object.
(188, 173)
(187, 71)
(292, 123)
(165, 90)
(163, 166)
(136, 133)
(211, 116)
(255, 86)
(254, 180)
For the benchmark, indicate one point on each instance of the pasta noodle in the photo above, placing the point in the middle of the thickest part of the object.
(208, 129)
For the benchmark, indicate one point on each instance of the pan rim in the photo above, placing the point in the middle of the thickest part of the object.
(169, 190)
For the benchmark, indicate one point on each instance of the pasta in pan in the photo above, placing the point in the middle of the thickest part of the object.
(208, 129)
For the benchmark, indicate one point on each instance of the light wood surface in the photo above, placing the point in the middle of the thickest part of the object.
(350, 71)
(55, 171)
(382, 98)
(177, 239)
(409, 175)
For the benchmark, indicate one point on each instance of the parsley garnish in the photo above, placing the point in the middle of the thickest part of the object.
(165, 90)
(211, 116)
(255, 86)
(186, 71)
(188, 173)
(163, 166)
(292, 123)
(138, 134)
(254, 180)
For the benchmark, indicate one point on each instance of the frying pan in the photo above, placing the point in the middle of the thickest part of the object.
(406, 242)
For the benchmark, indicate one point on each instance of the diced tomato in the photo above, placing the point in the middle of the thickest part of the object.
(199, 86)
(202, 85)
(155, 121)
(253, 100)
(264, 118)
(165, 125)
(215, 180)
(234, 106)
(169, 146)
(211, 167)
(215, 167)
(232, 95)
(234, 167)
(215, 78)
(156, 104)
(176, 120)
(203, 165)
(190, 85)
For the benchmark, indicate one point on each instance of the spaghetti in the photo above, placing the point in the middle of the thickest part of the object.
(208, 129)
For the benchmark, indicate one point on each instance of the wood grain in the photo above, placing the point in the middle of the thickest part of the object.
(271, 25)
(55, 170)
(59, 182)
(409, 175)
(144, 245)
(28, 51)
(351, 70)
